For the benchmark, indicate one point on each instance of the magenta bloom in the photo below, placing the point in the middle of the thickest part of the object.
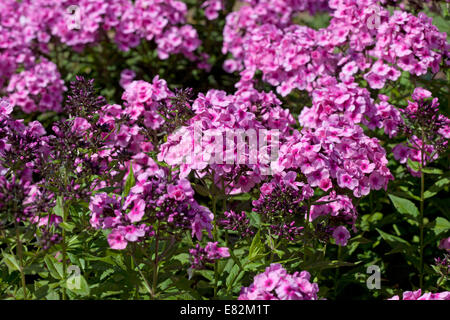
(345, 180)
(138, 211)
(131, 233)
(211, 252)
(276, 284)
(117, 240)
(417, 295)
(5, 107)
(341, 235)
(54, 220)
(80, 126)
(445, 244)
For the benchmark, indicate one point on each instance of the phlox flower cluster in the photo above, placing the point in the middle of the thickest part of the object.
(90, 20)
(339, 207)
(410, 43)
(293, 6)
(347, 102)
(264, 37)
(413, 151)
(152, 201)
(153, 106)
(214, 139)
(38, 85)
(282, 206)
(400, 41)
(212, 8)
(39, 88)
(160, 201)
(275, 283)
(132, 129)
(417, 295)
(20, 143)
(112, 134)
(106, 213)
(141, 99)
(336, 156)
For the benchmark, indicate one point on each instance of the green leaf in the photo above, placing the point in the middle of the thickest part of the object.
(326, 264)
(234, 276)
(129, 183)
(430, 170)
(228, 266)
(106, 189)
(11, 262)
(59, 208)
(404, 206)
(54, 267)
(182, 257)
(436, 187)
(67, 226)
(256, 250)
(242, 197)
(414, 165)
(394, 241)
(208, 274)
(255, 219)
(78, 285)
(441, 225)
(201, 190)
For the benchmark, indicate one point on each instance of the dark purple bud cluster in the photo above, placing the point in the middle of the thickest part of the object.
(49, 238)
(288, 231)
(237, 222)
(175, 111)
(76, 144)
(443, 263)
(179, 111)
(423, 120)
(83, 100)
(16, 200)
(282, 211)
(201, 256)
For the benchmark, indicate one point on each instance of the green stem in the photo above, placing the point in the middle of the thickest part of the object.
(421, 224)
(440, 281)
(156, 264)
(216, 265)
(306, 231)
(272, 247)
(20, 254)
(147, 285)
(64, 253)
(233, 256)
(336, 275)
(323, 258)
